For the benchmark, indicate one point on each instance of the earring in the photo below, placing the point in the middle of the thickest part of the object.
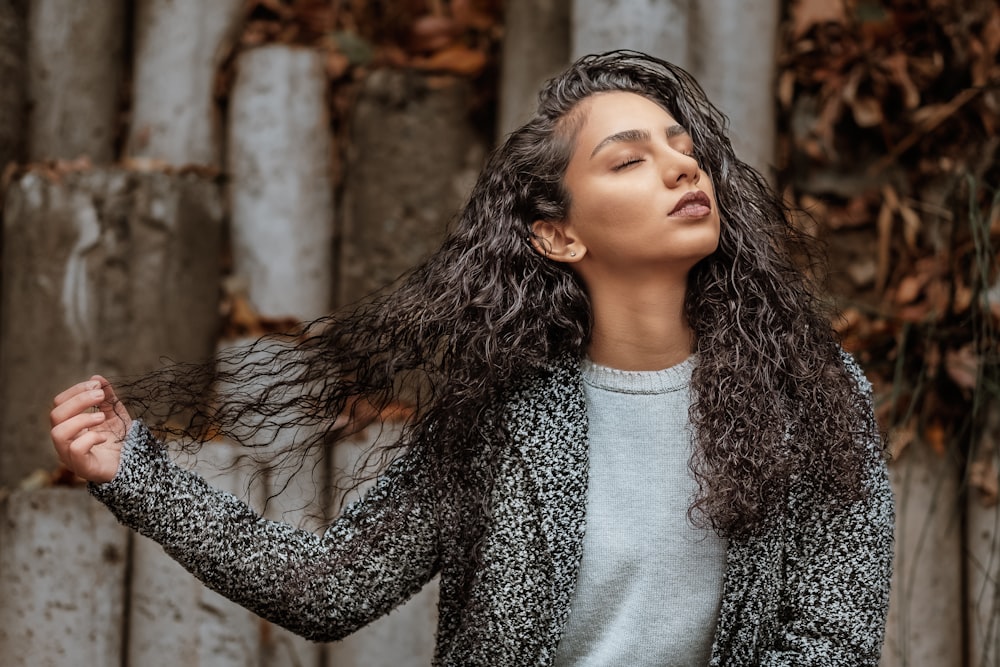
(572, 254)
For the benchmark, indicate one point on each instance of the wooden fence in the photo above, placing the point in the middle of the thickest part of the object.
(111, 264)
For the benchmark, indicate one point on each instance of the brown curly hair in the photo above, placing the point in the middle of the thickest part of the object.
(772, 397)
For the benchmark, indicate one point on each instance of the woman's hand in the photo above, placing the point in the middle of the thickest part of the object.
(89, 424)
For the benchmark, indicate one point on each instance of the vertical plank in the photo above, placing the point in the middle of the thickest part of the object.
(174, 619)
(106, 270)
(413, 157)
(282, 197)
(733, 56)
(62, 580)
(13, 74)
(74, 78)
(179, 45)
(925, 609)
(660, 28)
(535, 48)
(983, 546)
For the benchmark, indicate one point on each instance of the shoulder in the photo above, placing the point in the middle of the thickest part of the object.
(553, 392)
(855, 372)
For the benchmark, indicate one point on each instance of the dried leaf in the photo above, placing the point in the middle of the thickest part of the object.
(432, 33)
(911, 225)
(786, 88)
(936, 436)
(928, 118)
(809, 13)
(456, 59)
(909, 289)
(867, 111)
(468, 15)
(145, 165)
(900, 438)
(897, 66)
(884, 229)
(336, 64)
(983, 477)
(962, 366)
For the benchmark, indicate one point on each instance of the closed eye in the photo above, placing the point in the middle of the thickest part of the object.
(627, 162)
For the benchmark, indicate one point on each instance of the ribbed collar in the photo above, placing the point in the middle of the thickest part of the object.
(638, 382)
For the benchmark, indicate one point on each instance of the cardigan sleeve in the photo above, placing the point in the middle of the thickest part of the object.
(838, 566)
(321, 587)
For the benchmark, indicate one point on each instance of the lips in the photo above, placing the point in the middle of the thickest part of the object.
(693, 204)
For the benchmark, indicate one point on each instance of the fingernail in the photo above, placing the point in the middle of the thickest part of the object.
(93, 385)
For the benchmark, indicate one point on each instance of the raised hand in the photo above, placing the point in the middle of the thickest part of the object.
(89, 424)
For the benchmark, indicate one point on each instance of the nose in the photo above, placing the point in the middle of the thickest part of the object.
(679, 167)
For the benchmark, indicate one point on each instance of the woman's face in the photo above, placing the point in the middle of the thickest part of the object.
(638, 198)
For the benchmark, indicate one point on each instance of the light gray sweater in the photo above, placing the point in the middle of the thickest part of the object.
(649, 586)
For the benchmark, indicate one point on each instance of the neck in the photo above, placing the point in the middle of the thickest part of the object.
(640, 328)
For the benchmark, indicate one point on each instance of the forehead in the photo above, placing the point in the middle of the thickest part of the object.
(617, 111)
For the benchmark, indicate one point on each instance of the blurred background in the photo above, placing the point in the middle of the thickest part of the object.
(179, 177)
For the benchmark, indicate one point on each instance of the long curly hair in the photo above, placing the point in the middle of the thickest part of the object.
(772, 397)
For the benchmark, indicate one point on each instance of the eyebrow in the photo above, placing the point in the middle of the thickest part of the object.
(629, 136)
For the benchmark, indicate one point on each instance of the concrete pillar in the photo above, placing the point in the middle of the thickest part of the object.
(535, 48)
(104, 271)
(660, 28)
(179, 45)
(729, 47)
(982, 546)
(74, 78)
(283, 228)
(733, 56)
(173, 618)
(13, 74)
(279, 151)
(412, 160)
(925, 608)
(62, 579)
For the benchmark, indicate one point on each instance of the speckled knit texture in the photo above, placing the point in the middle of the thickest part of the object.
(810, 588)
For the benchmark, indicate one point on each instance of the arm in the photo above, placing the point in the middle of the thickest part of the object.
(377, 554)
(838, 568)
(369, 561)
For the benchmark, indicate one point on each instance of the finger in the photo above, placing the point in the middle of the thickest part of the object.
(75, 404)
(79, 387)
(80, 455)
(65, 432)
(112, 404)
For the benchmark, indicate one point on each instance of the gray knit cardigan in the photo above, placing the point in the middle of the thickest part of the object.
(809, 588)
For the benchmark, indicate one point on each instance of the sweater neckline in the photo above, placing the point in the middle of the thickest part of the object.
(663, 381)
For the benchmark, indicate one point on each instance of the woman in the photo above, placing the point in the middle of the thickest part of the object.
(634, 440)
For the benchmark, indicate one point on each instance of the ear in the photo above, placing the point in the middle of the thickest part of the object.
(556, 241)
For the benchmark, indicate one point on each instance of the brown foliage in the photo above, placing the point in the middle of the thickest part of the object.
(889, 152)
